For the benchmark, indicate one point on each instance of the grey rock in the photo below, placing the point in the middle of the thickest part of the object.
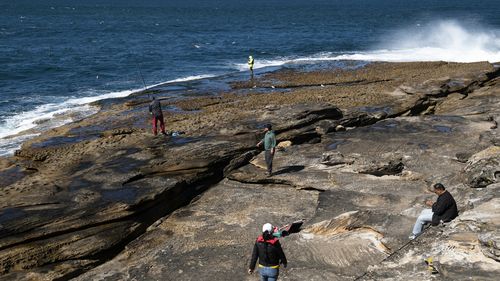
(379, 115)
(324, 127)
(490, 244)
(383, 168)
(483, 168)
(463, 157)
(332, 158)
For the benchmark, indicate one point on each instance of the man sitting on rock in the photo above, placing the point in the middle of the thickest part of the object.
(443, 210)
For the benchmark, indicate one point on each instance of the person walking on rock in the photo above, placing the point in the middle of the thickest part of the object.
(267, 249)
(269, 141)
(443, 210)
(155, 111)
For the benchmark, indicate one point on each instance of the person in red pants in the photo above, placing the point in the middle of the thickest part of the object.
(155, 110)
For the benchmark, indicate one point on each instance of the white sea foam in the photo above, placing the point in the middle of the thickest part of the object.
(189, 78)
(261, 63)
(437, 41)
(29, 119)
(8, 146)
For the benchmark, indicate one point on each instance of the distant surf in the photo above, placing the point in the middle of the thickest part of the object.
(437, 41)
(448, 41)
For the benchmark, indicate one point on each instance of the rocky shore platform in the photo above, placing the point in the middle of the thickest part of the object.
(359, 149)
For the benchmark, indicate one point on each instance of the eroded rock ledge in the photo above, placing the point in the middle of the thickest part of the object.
(114, 199)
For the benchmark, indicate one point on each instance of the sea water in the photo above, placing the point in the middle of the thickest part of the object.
(58, 56)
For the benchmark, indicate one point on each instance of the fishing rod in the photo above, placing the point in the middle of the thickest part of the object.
(142, 77)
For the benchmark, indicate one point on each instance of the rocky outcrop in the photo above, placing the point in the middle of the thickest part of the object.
(483, 168)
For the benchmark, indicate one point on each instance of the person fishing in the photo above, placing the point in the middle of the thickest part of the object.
(250, 64)
(156, 112)
(267, 249)
(269, 141)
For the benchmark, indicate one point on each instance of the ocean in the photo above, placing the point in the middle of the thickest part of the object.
(58, 56)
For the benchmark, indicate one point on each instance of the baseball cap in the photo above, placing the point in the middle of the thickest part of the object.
(267, 227)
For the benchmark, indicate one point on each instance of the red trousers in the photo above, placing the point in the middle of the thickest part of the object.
(162, 124)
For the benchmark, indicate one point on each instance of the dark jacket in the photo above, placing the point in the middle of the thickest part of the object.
(445, 209)
(269, 253)
(155, 108)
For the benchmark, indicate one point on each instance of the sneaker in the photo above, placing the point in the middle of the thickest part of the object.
(412, 237)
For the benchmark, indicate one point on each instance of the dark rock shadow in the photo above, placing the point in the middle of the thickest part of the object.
(289, 169)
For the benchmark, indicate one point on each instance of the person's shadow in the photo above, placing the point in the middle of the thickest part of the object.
(289, 169)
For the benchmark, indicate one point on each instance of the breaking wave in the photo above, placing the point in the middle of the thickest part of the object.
(436, 41)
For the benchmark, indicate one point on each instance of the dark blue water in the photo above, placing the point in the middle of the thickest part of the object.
(53, 53)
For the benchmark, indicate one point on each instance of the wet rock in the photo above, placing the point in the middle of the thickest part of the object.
(483, 168)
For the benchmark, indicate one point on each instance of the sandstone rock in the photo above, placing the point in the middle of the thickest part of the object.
(490, 243)
(283, 144)
(463, 157)
(339, 128)
(35, 155)
(240, 161)
(456, 85)
(271, 107)
(5, 163)
(483, 168)
(119, 131)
